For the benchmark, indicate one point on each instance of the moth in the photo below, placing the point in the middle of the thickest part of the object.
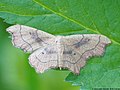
(49, 51)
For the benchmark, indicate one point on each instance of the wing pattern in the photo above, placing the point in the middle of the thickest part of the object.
(80, 49)
(28, 39)
(44, 59)
(49, 51)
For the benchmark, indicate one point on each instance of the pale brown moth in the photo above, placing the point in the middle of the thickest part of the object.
(49, 51)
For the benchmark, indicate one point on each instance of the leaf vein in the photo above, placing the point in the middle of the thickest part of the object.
(72, 20)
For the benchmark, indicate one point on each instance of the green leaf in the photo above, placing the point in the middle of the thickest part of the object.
(75, 16)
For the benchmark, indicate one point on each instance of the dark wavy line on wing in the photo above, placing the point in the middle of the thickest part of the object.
(23, 39)
(44, 62)
(79, 41)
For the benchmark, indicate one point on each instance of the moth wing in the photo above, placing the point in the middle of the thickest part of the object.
(29, 39)
(44, 59)
(78, 48)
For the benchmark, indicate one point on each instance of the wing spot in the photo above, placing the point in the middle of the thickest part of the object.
(56, 41)
(30, 33)
(42, 52)
(74, 53)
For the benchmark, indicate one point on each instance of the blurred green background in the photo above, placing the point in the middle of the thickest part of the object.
(17, 74)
